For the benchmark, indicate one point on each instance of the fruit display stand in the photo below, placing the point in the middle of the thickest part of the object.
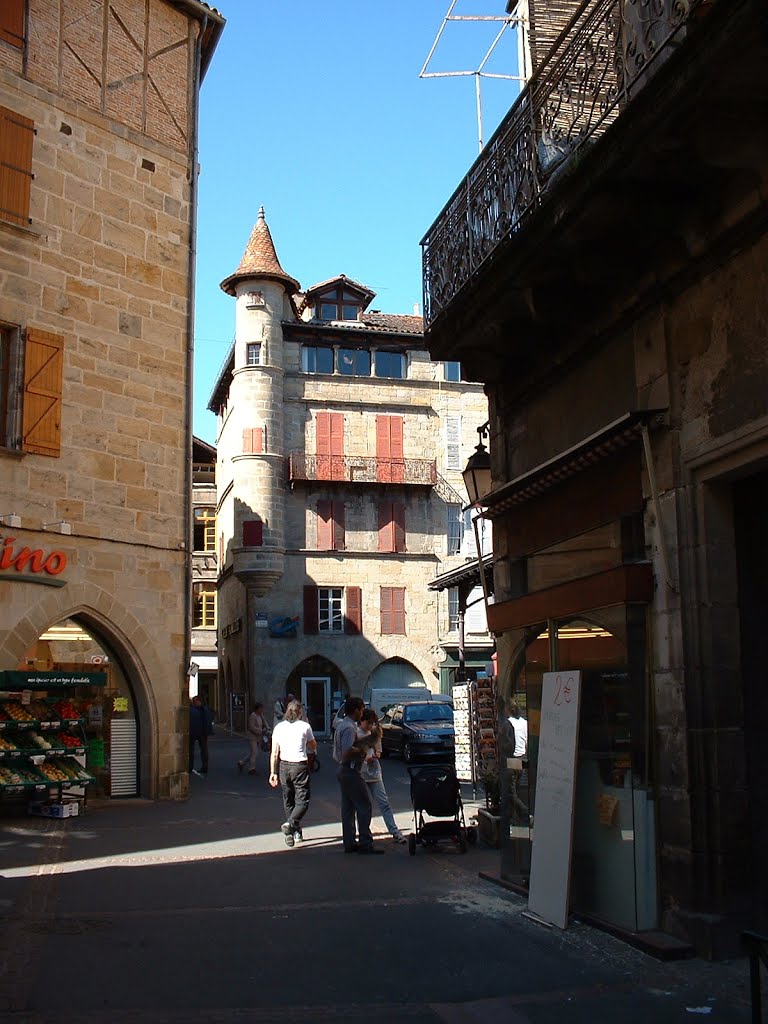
(42, 754)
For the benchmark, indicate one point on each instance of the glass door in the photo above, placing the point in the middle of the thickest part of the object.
(316, 698)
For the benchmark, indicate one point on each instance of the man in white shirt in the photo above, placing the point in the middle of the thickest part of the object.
(292, 742)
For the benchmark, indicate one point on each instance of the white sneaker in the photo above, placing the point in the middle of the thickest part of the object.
(399, 837)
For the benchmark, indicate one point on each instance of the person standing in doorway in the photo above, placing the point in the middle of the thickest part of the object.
(349, 754)
(292, 742)
(200, 728)
(257, 729)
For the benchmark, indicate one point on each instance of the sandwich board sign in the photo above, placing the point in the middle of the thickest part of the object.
(555, 790)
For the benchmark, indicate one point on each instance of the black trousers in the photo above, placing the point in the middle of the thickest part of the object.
(356, 808)
(203, 743)
(294, 780)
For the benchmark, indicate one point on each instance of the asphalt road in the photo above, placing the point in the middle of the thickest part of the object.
(197, 912)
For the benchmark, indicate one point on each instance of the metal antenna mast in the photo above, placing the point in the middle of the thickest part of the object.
(508, 21)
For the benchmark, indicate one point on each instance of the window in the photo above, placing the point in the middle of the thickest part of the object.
(253, 533)
(6, 363)
(253, 353)
(316, 359)
(452, 371)
(453, 442)
(391, 526)
(455, 528)
(330, 525)
(389, 364)
(253, 440)
(390, 465)
(332, 610)
(354, 362)
(205, 605)
(16, 135)
(453, 609)
(204, 529)
(392, 601)
(12, 22)
(338, 304)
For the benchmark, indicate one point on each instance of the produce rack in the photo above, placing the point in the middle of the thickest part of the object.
(42, 753)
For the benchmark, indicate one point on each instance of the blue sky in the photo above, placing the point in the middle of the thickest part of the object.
(317, 112)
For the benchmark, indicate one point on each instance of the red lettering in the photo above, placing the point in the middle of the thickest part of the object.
(27, 555)
(6, 558)
(38, 561)
(55, 563)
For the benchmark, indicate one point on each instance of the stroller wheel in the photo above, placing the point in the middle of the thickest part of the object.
(412, 844)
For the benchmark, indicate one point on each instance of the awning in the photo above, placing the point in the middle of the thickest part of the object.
(205, 662)
(619, 434)
(467, 573)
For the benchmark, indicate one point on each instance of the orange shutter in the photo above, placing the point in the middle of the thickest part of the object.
(353, 618)
(253, 440)
(16, 135)
(398, 519)
(12, 22)
(324, 525)
(43, 362)
(339, 537)
(398, 610)
(323, 433)
(386, 538)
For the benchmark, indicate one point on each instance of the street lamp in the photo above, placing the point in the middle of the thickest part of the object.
(477, 472)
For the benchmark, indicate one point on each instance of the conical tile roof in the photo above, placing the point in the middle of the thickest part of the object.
(259, 260)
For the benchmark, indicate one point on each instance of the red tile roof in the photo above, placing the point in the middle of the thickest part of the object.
(259, 260)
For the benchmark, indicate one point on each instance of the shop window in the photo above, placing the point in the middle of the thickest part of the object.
(389, 364)
(332, 610)
(330, 525)
(354, 362)
(12, 22)
(16, 137)
(204, 529)
(392, 608)
(205, 606)
(253, 533)
(253, 354)
(391, 526)
(316, 359)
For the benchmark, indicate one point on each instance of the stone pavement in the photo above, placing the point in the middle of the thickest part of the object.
(197, 912)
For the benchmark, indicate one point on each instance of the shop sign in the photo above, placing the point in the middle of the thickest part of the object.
(231, 627)
(30, 565)
(13, 680)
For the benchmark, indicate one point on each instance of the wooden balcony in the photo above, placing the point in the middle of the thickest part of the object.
(361, 469)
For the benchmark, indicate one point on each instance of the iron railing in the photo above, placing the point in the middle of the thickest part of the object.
(363, 469)
(599, 62)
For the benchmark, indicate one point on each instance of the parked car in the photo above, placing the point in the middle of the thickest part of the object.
(418, 730)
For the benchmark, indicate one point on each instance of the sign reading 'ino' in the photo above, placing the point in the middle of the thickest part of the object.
(25, 560)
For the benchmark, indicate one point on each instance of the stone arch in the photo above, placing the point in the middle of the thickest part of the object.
(118, 631)
(394, 674)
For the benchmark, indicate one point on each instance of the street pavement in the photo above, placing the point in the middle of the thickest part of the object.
(198, 912)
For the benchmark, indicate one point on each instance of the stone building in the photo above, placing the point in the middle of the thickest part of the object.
(340, 448)
(204, 656)
(609, 286)
(98, 152)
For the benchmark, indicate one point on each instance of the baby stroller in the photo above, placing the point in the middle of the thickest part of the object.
(435, 791)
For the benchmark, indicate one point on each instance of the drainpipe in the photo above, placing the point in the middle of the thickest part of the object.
(190, 353)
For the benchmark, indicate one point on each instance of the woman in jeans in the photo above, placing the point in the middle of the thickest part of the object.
(371, 773)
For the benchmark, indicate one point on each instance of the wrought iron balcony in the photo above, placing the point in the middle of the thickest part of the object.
(362, 469)
(586, 81)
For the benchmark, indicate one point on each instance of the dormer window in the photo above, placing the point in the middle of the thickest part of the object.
(338, 304)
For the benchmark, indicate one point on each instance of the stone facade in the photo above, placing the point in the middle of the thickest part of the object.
(278, 408)
(101, 268)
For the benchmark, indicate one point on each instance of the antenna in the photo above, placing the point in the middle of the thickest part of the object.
(508, 21)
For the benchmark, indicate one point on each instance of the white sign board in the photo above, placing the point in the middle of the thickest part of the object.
(555, 784)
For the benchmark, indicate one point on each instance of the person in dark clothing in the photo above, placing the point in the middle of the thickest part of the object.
(200, 728)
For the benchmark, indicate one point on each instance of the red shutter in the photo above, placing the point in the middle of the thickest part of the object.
(43, 363)
(325, 525)
(386, 537)
(385, 610)
(353, 620)
(323, 445)
(337, 433)
(253, 440)
(12, 22)
(339, 537)
(398, 610)
(16, 136)
(247, 441)
(310, 610)
(396, 448)
(398, 518)
(253, 533)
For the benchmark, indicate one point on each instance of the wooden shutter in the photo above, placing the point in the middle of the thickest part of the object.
(12, 22)
(392, 605)
(389, 449)
(353, 618)
(398, 521)
(453, 442)
(386, 527)
(337, 433)
(325, 525)
(253, 533)
(253, 440)
(310, 610)
(339, 536)
(16, 136)
(43, 362)
(323, 442)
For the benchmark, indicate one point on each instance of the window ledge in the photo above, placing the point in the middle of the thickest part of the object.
(14, 453)
(20, 229)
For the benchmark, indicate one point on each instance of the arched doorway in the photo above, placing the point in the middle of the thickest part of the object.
(321, 687)
(394, 674)
(74, 671)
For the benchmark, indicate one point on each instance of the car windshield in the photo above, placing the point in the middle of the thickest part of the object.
(428, 713)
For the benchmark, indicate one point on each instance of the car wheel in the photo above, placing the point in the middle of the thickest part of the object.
(407, 753)
(412, 844)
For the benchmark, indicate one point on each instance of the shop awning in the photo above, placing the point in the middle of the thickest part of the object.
(205, 662)
(621, 433)
(467, 573)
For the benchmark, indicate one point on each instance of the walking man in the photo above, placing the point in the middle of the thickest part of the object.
(355, 798)
(200, 728)
(292, 742)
